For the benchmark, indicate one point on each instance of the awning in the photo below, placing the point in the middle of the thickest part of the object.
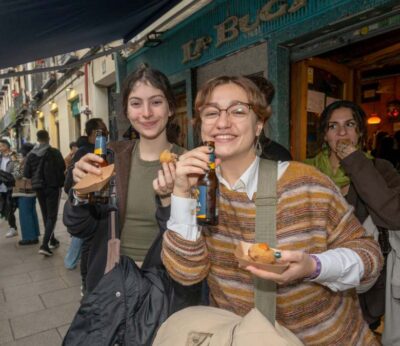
(31, 30)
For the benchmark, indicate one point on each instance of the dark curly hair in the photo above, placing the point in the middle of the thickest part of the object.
(358, 115)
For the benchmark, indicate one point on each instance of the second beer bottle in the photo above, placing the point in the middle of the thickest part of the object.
(207, 192)
(100, 149)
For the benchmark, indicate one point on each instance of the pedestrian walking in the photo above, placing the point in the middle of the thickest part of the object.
(8, 158)
(73, 147)
(26, 201)
(45, 167)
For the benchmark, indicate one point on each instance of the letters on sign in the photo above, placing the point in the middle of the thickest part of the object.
(231, 27)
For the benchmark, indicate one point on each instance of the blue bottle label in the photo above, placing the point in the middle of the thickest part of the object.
(100, 145)
(201, 209)
(211, 164)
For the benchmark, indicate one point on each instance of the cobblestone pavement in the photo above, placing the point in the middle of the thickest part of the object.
(38, 296)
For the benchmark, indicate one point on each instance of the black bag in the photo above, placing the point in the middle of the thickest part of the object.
(7, 178)
(126, 308)
(129, 304)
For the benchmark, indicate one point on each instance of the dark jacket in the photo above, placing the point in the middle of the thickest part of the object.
(45, 167)
(82, 151)
(272, 150)
(91, 221)
(127, 305)
(6, 177)
(374, 190)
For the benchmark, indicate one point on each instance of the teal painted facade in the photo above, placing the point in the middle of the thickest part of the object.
(284, 25)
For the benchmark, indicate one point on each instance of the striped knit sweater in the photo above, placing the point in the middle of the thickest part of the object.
(313, 217)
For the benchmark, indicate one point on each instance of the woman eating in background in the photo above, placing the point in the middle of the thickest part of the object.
(371, 186)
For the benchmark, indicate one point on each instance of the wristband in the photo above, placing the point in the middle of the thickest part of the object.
(317, 270)
(77, 201)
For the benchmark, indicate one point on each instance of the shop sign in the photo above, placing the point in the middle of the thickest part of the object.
(231, 27)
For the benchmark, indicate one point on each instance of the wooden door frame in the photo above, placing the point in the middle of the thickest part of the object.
(298, 99)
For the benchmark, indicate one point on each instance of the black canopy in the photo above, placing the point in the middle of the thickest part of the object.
(34, 29)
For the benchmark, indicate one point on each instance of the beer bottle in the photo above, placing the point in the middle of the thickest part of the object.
(207, 193)
(100, 149)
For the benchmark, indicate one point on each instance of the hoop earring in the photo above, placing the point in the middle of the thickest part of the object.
(258, 147)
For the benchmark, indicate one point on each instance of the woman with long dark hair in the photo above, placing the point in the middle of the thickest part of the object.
(371, 186)
(149, 104)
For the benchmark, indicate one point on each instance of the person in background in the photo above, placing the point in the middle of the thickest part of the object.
(82, 141)
(149, 104)
(73, 147)
(378, 142)
(269, 149)
(45, 167)
(328, 251)
(387, 150)
(85, 145)
(79, 248)
(26, 200)
(371, 186)
(8, 158)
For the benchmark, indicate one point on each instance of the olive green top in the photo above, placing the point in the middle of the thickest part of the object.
(140, 227)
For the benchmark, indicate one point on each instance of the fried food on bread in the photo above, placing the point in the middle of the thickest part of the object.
(166, 157)
(261, 252)
(344, 141)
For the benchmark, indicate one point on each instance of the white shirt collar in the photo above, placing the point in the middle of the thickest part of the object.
(249, 179)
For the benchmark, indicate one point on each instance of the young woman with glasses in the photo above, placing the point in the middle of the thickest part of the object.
(327, 249)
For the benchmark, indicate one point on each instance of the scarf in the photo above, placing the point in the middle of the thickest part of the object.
(322, 162)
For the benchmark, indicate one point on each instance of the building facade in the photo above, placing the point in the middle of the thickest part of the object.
(60, 101)
(283, 40)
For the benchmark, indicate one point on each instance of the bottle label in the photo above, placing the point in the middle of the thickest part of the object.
(100, 145)
(201, 209)
(211, 164)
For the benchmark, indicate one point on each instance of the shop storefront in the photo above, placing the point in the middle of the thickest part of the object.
(274, 38)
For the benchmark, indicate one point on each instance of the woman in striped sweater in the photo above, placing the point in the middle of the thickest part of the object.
(316, 298)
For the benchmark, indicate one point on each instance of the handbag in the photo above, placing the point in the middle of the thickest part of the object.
(209, 326)
(128, 304)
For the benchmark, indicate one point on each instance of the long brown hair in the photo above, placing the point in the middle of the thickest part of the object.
(158, 80)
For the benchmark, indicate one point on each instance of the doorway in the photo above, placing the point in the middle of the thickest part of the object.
(366, 72)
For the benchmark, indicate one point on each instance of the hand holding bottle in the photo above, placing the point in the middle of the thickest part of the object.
(189, 168)
(89, 163)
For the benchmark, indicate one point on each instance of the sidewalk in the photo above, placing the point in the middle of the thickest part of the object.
(38, 296)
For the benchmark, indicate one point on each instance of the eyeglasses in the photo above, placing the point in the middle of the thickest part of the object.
(348, 125)
(240, 110)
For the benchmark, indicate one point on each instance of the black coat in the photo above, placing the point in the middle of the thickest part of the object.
(272, 150)
(128, 306)
(51, 173)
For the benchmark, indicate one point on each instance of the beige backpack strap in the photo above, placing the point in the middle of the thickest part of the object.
(266, 200)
